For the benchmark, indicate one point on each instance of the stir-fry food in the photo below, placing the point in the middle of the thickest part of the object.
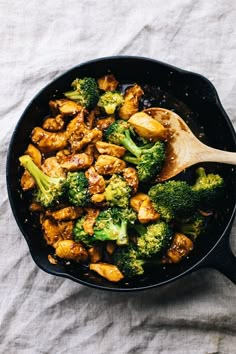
(91, 168)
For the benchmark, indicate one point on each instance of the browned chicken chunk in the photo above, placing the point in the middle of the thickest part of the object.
(179, 249)
(52, 168)
(56, 231)
(147, 213)
(110, 149)
(81, 138)
(108, 165)
(137, 200)
(54, 124)
(107, 83)
(49, 141)
(108, 271)
(27, 182)
(104, 123)
(76, 162)
(95, 254)
(64, 214)
(131, 103)
(90, 220)
(35, 154)
(131, 177)
(65, 107)
(72, 250)
(96, 182)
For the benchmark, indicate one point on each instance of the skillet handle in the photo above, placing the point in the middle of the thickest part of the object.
(224, 260)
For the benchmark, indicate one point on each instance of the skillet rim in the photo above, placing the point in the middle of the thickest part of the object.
(227, 121)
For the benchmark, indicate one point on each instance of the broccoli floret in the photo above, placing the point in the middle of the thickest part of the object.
(208, 187)
(148, 159)
(49, 189)
(173, 199)
(118, 192)
(154, 239)
(128, 260)
(80, 235)
(112, 224)
(110, 101)
(193, 226)
(77, 189)
(85, 92)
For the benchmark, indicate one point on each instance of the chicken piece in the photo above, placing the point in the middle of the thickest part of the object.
(179, 249)
(104, 123)
(108, 165)
(110, 149)
(98, 198)
(108, 271)
(69, 249)
(91, 150)
(147, 127)
(131, 103)
(52, 168)
(110, 247)
(96, 182)
(27, 181)
(90, 220)
(76, 125)
(49, 141)
(36, 207)
(65, 107)
(107, 83)
(147, 213)
(35, 154)
(131, 177)
(76, 162)
(54, 124)
(137, 200)
(90, 120)
(54, 232)
(52, 259)
(64, 214)
(95, 254)
(80, 139)
(61, 154)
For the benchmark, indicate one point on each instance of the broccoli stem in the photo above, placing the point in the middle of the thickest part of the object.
(131, 159)
(123, 238)
(43, 181)
(128, 143)
(200, 171)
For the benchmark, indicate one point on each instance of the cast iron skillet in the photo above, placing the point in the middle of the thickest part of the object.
(190, 95)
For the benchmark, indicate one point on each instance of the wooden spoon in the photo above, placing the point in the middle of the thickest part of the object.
(183, 148)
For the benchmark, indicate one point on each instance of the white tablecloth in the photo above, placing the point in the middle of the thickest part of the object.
(40, 313)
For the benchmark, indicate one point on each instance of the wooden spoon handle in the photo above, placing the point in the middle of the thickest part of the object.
(214, 155)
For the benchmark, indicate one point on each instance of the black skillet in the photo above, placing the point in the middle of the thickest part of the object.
(190, 95)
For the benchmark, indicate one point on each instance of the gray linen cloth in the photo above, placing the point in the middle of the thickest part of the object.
(40, 313)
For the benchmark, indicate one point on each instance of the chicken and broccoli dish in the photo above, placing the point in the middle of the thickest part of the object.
(91, 170)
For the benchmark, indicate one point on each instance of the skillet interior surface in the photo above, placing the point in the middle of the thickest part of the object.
(191, 96)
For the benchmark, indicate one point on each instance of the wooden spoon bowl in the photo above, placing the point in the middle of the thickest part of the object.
(183, 147)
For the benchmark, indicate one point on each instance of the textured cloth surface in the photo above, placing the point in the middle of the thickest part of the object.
(40, 313)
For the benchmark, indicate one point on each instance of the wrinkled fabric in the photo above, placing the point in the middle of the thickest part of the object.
(43, 314)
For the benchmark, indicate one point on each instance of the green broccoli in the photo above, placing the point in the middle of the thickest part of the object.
(173, 199)
(208, 187)
(128, 260)
(110, 101)
(80, 235)
(118, 192)
(148, 159)
(192, 226)
(77, 189)
(49, 189)
(112, 224)
(85, 92)
(153, 238)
